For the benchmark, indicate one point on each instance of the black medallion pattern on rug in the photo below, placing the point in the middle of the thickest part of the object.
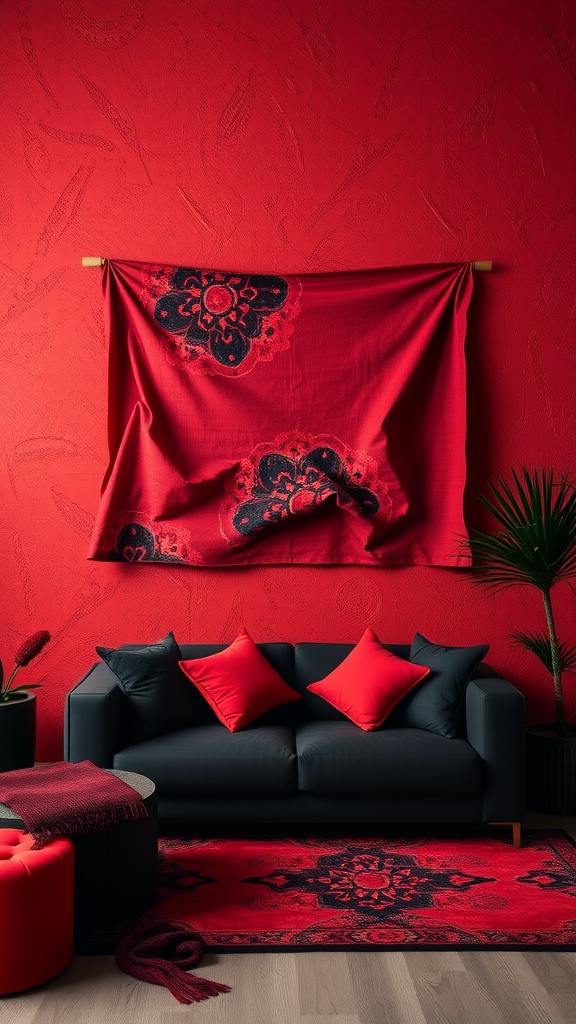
(370, 881)
(222, 315)
(173, 877)
(544, 879)
(293, 475)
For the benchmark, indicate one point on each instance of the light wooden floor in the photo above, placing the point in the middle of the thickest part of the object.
(323, 988)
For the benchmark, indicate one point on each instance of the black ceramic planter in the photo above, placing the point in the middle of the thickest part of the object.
(551, 770)
(17, 732)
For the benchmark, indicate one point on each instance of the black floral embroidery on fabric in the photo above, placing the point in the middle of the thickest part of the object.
(136, 543)
(218, 312)
(370, 881)
(292, 486)
(136, 536)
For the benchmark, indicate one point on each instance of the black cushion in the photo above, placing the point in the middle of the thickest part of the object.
(209, 761)
(161, 699)
(436, 704)
(337, 758)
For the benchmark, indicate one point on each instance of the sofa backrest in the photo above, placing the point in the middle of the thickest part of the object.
(300, 665)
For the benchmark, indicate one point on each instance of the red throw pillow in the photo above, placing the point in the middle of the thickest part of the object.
(239, 683)
(369, 682)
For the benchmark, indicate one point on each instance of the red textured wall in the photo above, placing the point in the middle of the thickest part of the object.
(293, 137)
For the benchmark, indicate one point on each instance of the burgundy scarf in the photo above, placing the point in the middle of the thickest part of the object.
(64, 799)
(161, 952)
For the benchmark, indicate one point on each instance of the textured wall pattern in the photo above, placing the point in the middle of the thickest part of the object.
(280, 138)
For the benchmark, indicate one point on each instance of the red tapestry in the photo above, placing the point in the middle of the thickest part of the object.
(280, 419)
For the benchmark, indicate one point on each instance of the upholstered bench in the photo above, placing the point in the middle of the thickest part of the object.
(36, 910)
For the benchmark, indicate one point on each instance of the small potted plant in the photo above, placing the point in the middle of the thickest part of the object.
(18, 708)
(536, 547)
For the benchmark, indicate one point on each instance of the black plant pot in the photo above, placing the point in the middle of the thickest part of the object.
(551, 769)
(17, 732)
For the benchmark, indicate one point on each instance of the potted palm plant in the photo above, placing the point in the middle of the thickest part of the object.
(18, 708)
(536, 547)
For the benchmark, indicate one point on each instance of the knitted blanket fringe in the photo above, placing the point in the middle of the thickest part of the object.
(160, 952)
(91, 821)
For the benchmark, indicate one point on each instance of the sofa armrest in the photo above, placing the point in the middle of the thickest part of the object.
(94, 718)
(495, 728)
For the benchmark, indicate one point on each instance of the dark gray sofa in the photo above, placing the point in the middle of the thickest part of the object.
(305, 763)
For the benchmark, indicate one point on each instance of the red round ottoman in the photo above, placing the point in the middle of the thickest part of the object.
(36, 910)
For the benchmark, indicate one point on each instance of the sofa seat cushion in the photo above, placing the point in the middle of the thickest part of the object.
(208, 760)
(340, 759)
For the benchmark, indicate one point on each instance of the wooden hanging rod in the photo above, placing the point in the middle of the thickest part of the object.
(99, 261)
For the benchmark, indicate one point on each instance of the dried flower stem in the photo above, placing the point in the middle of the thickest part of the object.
(29, 649)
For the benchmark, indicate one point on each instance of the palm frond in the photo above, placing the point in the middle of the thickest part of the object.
(539, 644)
(568, 657)
(536, 544)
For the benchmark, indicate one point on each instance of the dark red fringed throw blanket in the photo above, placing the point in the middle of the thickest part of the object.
(64, 799)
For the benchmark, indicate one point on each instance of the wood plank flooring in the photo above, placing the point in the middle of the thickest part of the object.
(323, 988)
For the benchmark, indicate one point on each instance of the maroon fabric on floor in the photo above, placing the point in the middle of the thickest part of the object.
(64, 799)
(160, 952)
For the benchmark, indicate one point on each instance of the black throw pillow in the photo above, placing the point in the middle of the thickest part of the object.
(436, 703)
(161, 698)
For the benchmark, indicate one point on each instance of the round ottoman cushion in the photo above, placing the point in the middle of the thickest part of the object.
(36, 910)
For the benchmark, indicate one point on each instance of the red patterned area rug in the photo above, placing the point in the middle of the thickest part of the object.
(465, 891)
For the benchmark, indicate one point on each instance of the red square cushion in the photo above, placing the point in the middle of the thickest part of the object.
(239, 683)
(369, 682)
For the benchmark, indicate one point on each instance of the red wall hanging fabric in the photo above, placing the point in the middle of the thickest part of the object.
(268, 419)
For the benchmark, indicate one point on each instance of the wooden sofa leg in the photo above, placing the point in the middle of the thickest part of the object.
(516, 831)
